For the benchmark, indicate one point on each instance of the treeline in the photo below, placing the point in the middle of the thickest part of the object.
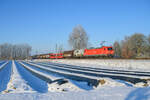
(17, 51)
(134, 46)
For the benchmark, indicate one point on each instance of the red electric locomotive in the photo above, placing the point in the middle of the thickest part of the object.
(106, 51)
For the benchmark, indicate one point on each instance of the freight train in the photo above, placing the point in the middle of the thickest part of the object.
(104, 51)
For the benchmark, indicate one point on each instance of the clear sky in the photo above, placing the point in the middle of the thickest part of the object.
(43, 23)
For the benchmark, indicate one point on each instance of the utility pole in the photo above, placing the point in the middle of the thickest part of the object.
(56, 50)
(36, 52)
(102, 43)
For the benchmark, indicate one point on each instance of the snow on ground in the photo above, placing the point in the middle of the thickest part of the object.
(141, 65)
(55, 87)
(69, 85)
(108, 89)
(75, 86)
(106, 93)
(108, 81)
(16, 83)
(66, 87)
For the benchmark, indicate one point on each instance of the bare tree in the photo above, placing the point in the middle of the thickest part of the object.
(126, 51)
(138, 44)
(6, 50)
(148, 49)
(148, 39)
(117, 49)
(78, 39)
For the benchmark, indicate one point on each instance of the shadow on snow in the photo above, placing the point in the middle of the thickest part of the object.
(33, 81)
(139, 94)
(5, 76)
(79, 84)
(82, 85)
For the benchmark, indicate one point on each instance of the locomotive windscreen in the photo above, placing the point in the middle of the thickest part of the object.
(109, 48)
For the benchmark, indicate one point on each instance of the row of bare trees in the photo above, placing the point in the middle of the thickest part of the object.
(134, 46)
(19, 51)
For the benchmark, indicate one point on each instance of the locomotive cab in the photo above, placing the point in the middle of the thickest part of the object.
(110, 51)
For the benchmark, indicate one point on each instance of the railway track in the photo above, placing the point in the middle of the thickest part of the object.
(132, 78)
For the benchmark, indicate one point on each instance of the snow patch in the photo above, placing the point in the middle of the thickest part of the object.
(66, 87)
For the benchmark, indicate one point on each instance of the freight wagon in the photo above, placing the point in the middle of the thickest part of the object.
(104, 51)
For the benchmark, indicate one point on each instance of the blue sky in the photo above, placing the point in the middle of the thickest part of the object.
(43, 23)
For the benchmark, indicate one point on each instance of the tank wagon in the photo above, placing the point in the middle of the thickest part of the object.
(41, 56)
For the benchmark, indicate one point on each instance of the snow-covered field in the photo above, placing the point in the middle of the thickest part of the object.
(141, 65)
(29, 82)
